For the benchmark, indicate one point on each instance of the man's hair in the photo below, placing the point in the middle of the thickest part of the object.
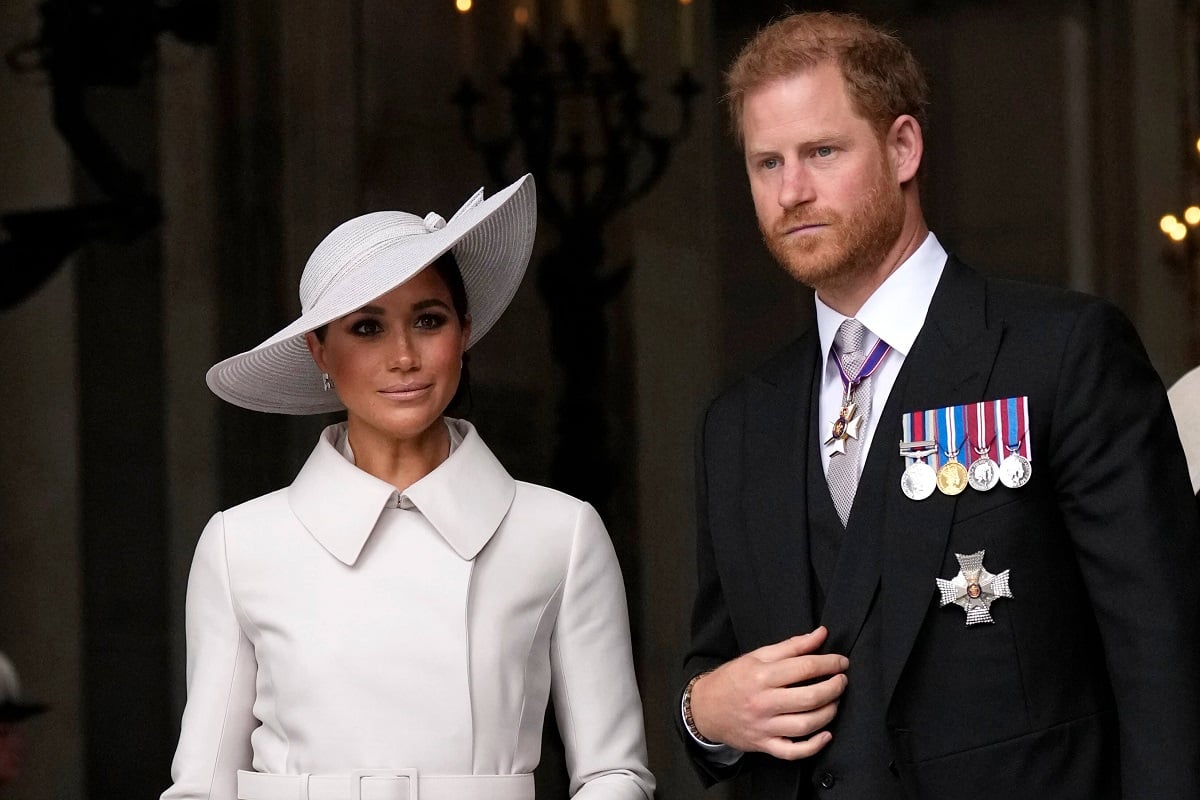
(883, 78)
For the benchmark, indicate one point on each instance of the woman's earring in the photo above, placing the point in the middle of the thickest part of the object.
(326, 381)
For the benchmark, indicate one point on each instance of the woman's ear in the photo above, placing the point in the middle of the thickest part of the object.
(466, 332)
(317, 349)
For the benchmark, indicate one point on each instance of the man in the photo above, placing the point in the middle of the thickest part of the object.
(866, 624)
(15, 708)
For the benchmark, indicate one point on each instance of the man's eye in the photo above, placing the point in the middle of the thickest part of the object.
(769, 163)
(824, 152)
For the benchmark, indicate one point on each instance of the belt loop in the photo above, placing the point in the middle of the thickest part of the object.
(303, 784)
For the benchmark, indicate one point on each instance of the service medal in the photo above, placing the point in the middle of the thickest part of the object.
(1015, 470)
(952, 478)
(984, 473)
(918, 480)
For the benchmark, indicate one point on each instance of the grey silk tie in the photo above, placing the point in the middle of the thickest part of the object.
(843, 467)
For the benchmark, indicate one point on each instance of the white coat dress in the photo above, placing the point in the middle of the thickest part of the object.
(339, 625)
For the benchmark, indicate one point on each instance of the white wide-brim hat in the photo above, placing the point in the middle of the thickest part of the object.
(368, 256)
(1184, 397)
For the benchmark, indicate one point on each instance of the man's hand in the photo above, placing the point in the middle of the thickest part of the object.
(753, 704)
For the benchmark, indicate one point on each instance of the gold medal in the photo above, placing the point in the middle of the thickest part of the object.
(952, 478)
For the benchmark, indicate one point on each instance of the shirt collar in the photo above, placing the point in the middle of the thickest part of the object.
(896, 310)
(340, 504)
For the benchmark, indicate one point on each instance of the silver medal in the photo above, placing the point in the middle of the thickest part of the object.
(918, 481)
(984, 473)
(1015, 470)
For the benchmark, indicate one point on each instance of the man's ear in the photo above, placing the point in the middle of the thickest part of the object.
(906, 146)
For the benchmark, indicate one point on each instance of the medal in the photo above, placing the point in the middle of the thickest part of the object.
(984, 473)
(952, 477)
(974, 589)
(918, 479)
(848, 425)
(1016, 469)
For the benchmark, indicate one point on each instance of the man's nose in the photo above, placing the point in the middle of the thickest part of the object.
(796, 186)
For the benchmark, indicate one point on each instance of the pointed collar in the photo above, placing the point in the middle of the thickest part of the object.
(340, 504)
(896, 311)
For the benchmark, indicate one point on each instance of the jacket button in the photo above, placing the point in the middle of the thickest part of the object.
(826, 780)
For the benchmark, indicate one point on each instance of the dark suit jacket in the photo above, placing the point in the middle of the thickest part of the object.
(1087, 683)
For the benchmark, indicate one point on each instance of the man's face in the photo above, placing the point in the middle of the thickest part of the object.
(828, 202)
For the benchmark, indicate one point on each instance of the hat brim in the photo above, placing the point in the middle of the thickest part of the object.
(491, 239)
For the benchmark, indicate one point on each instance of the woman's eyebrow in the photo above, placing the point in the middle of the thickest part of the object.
(430, 303)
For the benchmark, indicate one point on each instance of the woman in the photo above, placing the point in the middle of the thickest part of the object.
(391, 624)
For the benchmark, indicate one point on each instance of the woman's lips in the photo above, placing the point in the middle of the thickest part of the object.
(408, 391)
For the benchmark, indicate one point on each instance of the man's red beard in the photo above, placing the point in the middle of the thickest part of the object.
(848, 247)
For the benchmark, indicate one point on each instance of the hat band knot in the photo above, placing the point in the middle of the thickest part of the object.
(434, 222)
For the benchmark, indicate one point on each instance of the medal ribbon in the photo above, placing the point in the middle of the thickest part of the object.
(1015, 424)
(950, 422)
(913, 424)
(981, 435)
(874, 359)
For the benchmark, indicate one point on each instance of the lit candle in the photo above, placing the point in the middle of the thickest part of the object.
(465, 34)
(687, 35)
(572, 16)
(622, 16)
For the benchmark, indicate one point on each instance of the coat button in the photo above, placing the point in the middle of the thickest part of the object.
(826, 780)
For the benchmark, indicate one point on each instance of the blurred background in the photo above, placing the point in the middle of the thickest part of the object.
(166, 166)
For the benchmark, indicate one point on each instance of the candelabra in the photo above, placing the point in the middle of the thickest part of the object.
(577, 123)
(85, 44)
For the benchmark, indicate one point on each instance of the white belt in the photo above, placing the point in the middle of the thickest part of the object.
(383, 784)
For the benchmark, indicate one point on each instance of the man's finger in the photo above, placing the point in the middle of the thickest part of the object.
(804, 669)
(795, 646)
(790, 750)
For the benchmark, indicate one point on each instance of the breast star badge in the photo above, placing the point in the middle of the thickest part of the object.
(974, 588)
(845, 427)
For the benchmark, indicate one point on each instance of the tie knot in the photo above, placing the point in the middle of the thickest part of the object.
(850, 337)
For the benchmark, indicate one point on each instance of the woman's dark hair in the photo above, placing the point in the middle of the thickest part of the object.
(446, 267)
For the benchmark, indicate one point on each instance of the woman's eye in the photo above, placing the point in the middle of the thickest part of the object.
(430, 321)
(366, 327)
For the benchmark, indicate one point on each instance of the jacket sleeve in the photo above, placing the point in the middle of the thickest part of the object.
(214, 741)
(596, 701)
(712, 638)
(1122, 487)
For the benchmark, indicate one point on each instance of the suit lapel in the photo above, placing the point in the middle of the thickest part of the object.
(950, 364)
(775, 470)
